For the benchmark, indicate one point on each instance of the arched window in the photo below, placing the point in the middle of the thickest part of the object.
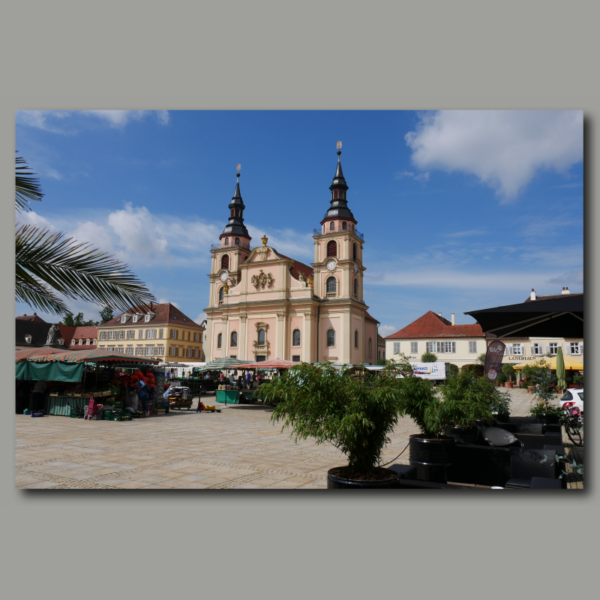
(296, 337)
(332, 248)
(331, 338)
(332, 225)
(225, 261)
(344, 226)
(219, 340)
(370, 348)
(335, 194)
(331, 285)
(356, 339)
(234, 339)
(237, 241)
(354, 252)
(356, 288)
(227, 241)
(221, 294)
(261, 337)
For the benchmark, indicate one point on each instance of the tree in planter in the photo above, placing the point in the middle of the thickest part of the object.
(509, 371)
(542, 378)
(500, 403)
(354, 415)
(428, 357)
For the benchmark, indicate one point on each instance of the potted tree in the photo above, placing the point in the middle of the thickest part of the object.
(355, 414)
(544, 393)
(509, 372)
(464, 401)
(500, 406)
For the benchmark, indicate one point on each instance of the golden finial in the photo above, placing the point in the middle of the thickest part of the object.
(309, 281)
(225, 289)
(264, 239)
(338, 145)
(238, 168)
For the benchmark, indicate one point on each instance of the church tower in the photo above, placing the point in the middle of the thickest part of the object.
(232, 251)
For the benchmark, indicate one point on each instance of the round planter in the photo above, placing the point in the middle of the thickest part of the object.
(432, 457)
(509, 384)
(465, 435)
(531, 389)
(340, 483)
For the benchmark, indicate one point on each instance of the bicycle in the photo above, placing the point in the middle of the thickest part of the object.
(574, 425)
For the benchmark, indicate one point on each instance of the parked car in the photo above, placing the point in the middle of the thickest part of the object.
(572, 397)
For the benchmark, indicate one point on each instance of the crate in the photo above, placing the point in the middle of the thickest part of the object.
(116, 417)
(126, 418)
(107, 415)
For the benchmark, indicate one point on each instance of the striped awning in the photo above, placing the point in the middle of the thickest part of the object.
(86, 356)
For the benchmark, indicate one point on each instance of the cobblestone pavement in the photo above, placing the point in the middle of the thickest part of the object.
(236, 449)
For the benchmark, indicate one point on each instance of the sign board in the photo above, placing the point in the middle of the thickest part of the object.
(493, 359)
(432, 370)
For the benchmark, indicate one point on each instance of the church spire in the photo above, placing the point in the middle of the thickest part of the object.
(339, 205)
(236, 226)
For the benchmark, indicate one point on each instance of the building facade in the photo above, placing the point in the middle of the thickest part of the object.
(159, 331)
(265, 305)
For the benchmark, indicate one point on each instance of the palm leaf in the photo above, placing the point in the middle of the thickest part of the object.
(27, 187)
(52, 261)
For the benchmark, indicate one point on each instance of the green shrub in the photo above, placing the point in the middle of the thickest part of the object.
(428, 357)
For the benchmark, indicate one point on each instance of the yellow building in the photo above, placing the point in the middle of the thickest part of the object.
(159, 331)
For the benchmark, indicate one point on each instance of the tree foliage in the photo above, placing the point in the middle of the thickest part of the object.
(106, 315)
(429, 357)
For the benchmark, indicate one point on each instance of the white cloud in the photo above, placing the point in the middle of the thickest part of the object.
(32, 218)
(468, 233)
(165, 300)
(49, 120)
(201, 317)
(503, 149)
(416, 176)
(569, 278)
(299, 246)
(385, 330)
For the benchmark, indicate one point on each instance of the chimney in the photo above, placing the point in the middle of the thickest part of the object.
(532, 297)
(452, 319)
(566, 290)
(439, 314)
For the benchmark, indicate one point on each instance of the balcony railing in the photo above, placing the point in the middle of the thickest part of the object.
(240, 245)
(355, 232)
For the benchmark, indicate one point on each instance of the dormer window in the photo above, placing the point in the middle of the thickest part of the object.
(81, 342)
(134, 319)
(61, 342)
(28, 339)
(87, 342)
(123, 318)
(147, 318)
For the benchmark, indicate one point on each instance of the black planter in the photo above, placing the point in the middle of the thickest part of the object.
(546, 418)
(432, 457)
(337, 483)
(466, 435)
(502, 418)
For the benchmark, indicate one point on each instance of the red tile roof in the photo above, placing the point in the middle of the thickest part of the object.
(32, 317)
(298, 267)
(88, 332)
(553, 296)
(431, 325)
(165, 314)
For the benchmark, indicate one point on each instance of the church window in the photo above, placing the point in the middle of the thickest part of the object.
(344, 226)
(227, 241)
(331, 285)
(356, 288)
(221, 294)
(354, 252)
(335, 194)
(331, 338)
(332, 248)
(370, 348)
(234, 339)
(296, 358)
(296, 337)
(332, 226)
(237, 241)
(261, 337)
(225, 261)
(219, 340)
(356, 339)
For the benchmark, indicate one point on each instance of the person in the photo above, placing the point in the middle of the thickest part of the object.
(37, 398)
(142, 390)
(248, 380)
(221, 377)
(240, 383)
(200, 406)
(259, 379)
(232, 378)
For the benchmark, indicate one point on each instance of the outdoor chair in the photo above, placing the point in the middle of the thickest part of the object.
(525, 464)
(497, 437)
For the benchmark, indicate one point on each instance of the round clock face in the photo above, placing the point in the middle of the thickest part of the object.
(331, 265)
(223, 276)
(355, 268)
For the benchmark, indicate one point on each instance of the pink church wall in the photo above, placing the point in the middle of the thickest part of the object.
(371, 328)
(326, 324)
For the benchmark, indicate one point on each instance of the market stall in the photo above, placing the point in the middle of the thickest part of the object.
(275, 365)
(87, 379)
(226, 392)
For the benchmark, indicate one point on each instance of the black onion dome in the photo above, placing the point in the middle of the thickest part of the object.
(236, 224)
(339, 206)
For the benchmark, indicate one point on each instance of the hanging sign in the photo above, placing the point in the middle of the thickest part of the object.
(493, 359)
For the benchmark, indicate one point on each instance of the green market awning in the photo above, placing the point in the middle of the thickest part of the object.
(221, 364)
(49, 371)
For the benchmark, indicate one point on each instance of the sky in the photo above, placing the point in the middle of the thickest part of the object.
(460, 210)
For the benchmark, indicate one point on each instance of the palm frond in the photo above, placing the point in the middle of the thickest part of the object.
(37, 295)
(77, 270)
(27, 187)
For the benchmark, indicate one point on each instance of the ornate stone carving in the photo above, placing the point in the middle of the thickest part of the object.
(52, 333)
(261, 280)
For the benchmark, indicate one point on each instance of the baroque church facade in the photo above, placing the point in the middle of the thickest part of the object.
(265, 305)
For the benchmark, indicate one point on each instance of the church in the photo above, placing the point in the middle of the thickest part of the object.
(265, 305)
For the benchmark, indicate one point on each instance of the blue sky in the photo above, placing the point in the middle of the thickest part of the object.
(460, 210)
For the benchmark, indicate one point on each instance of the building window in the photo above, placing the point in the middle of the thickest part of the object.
(130, 334)
(129, 350)
(147, 318)
(576, 348)
(356, 288)
(370, 348)
(331, 285)
(134, 319)
(121, 335)
(160, 334)
(354, 253)
(473, 347)
(518, 349)
(196, 337)
(87, 342)
(441, 347)
(189, 353)
(296, 337)
(140, 334)
(234, 339)
(112, 335)
(149, 350)
(225, 261)
(396, 347)
(553, 348)
(414, 347)
(139, 351)
(331, 338)
(123, 319)
(536, 349)
(262, 337)
(237, 241)
(295, 358)
(221, 294)
(160, 350)
(332, 248)
(227, 241)
(151, 334)
(344, 226)
(332, 225)
(93, 342)
(103, 335)
(219, 340)
(174, 334)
